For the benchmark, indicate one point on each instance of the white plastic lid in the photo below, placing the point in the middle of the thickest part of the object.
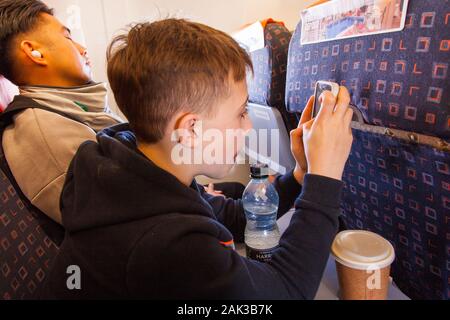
(362, 250)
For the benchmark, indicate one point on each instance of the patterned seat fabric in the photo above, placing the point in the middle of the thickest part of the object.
(402, 192)
(398, 80)
(26, 252)
(394, 187)
(268, 85)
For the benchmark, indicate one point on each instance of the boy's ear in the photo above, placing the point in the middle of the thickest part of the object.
(188, 130)
(28, 47)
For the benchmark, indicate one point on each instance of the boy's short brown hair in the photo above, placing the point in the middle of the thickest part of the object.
(164, 67)
(16, 17)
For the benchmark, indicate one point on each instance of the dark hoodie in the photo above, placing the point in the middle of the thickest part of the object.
(135, 231)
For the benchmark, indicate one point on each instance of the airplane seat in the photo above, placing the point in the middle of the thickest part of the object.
(267, 92)
(26, 250)
(268, 86)
(397, 179)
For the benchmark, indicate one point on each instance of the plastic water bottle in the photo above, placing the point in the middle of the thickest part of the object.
(261, 201)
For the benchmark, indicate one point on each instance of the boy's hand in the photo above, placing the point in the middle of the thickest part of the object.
(297, 147)
(328, 139)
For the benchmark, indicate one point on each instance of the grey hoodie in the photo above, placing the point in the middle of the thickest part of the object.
(40, 145)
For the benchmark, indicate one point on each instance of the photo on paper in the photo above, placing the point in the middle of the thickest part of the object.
(352, 18)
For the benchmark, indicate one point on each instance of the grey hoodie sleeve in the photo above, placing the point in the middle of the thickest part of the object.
(39, 148)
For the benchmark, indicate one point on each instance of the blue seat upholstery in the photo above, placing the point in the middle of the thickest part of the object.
(397, 180)
(267, 88)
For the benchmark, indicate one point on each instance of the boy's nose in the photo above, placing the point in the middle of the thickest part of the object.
(84, 52)
(81, 49)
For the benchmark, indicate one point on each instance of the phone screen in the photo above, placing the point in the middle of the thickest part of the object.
(320, 88)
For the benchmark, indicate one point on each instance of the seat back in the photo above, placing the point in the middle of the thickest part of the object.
(397, 180)
(26, 250)
(268, 86)
(267, 96)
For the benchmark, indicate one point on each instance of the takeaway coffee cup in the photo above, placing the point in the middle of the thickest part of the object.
(363, 263)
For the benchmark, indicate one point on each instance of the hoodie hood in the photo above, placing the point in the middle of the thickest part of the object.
(87, 104)
(102, 174)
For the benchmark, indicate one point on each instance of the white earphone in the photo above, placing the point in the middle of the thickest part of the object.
(36, 54)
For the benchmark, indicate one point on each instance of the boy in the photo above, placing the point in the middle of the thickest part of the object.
(39, 55)
(138, 225)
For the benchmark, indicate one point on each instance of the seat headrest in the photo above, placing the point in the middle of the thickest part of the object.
(268, 85)
(397, 79)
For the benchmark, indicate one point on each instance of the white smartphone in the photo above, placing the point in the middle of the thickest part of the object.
(322, 86)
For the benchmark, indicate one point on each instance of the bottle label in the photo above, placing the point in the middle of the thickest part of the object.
(261, 255)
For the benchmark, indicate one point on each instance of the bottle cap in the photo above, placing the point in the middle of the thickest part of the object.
(259, 171)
